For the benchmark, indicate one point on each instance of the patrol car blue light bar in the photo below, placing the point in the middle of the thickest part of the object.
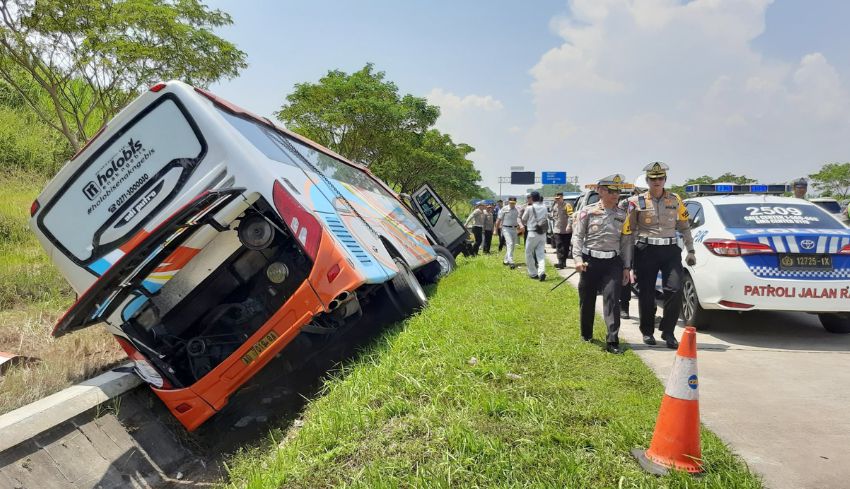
(724, 188)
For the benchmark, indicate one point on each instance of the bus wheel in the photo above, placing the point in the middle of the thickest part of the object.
(405, 291)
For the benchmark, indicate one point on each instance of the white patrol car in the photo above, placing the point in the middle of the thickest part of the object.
(756, 251)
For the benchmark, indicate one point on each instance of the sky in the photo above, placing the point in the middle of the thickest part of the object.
(590, 87)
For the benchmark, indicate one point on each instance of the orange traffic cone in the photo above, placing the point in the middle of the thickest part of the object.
(675, 443)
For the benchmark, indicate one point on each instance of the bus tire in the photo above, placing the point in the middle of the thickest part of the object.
(443, 265)
(405, 291)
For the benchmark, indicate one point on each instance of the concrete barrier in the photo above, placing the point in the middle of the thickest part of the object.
(28, 421)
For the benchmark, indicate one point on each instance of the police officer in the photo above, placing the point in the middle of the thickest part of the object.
(562, 234)
(499, 206)
(488, 228)
(476, 218)
(506, 226)
(653, 219)
(626, 293)
(801, 186)
(599, 249)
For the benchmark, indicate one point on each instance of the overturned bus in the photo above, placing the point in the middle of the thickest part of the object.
(207, 238)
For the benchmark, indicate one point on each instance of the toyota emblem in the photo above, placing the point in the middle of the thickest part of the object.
(807, 244)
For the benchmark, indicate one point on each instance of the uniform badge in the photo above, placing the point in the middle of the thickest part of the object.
(647, 220)
(594, 228)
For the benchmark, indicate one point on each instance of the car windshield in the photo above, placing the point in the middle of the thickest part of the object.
(829, 206)
(773, 215)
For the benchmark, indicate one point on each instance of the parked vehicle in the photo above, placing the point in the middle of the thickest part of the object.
(757, 251)
(208, 238)
(833, 207)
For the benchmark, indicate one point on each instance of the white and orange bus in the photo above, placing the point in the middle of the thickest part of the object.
(206, 238)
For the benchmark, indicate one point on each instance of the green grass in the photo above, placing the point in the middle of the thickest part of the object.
(539, 408)
(26, 273)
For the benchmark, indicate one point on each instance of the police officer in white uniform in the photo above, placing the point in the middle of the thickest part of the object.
(536, 224)
(599, 250)
(654, 217)
(506, 225)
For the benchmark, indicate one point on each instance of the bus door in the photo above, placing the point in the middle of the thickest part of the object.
(443, 224)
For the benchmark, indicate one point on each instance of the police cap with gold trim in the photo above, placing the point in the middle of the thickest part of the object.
(612, 182)
(656, 169)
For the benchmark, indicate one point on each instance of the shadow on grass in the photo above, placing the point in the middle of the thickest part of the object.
(275, 398)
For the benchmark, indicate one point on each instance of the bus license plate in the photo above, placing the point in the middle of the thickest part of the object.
(804, 262)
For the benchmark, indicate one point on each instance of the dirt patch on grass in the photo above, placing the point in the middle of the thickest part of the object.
(58, 363)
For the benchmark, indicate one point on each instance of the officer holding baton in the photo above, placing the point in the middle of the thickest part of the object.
(654, 217)
(599, 250)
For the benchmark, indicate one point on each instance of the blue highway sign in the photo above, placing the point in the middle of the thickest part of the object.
(553, 178)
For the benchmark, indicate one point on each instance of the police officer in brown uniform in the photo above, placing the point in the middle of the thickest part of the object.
(476, 218)
(561, 234)
(599, 249)
(654, 217)
(801, 186)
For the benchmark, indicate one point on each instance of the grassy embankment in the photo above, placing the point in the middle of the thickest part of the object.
(32, 296)
(490, 386)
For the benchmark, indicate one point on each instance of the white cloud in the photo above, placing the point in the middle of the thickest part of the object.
(643, 80)
(451, 102)
(481, 122)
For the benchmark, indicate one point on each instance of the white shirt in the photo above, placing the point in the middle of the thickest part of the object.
(535, 214)
(508, 216)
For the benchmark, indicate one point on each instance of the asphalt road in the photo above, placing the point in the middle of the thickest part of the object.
(775, 386)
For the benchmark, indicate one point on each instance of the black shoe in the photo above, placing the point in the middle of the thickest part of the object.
(624, 314)
(614, 348)
(649, 339)
(560, 266)
(671, 341)
(586, 338)
(512, 266)
(534, 277)
(542, 277)
(505, 263)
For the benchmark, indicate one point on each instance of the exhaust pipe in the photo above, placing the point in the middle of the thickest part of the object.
(342, 298)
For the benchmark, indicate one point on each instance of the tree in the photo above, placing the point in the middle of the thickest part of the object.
(549, 190)
(833, 180)
(727, 177)
(363, 117)
(76, 63)
(360, 116)
(434, 159)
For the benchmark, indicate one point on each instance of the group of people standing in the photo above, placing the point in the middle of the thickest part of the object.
(613, 243)
(612, 238)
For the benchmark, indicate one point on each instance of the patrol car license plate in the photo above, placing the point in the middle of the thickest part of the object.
(804, 262)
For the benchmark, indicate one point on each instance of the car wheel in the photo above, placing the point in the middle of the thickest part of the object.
(405, 291)
(835, 323)
(692, 313)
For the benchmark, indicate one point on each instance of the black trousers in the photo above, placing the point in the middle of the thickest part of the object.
(605, 274)
(502, 242)
(476, 233)
(625, 297)
(649, 260)
(562, 246)
(488, 240)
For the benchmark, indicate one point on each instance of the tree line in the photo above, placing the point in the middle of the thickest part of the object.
(69, 66)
